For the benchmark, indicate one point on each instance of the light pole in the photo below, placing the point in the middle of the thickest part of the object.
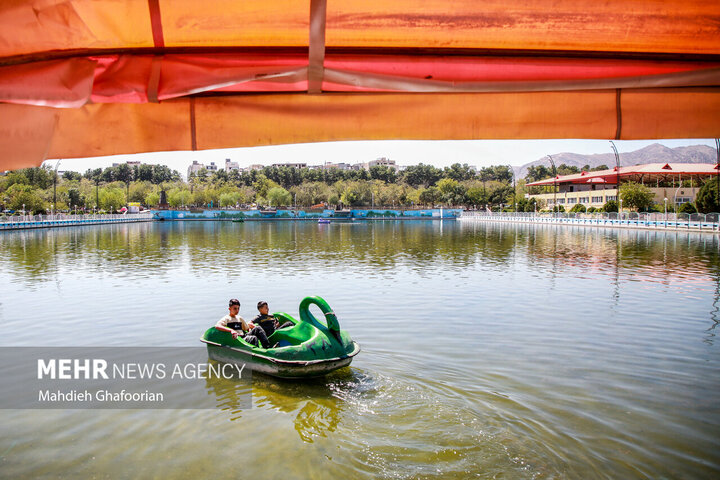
(512, 172)
(717, 167)
(665, 212)
(617, 169)
(554, 182)
(55, 182)
(23, 211)
(620, 212)
(52, 210)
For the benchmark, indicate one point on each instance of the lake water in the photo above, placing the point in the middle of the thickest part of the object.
(489, 351)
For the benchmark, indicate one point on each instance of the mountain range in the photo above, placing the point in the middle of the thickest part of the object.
(655, 153)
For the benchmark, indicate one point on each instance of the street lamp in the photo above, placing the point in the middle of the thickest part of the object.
(52, 209)
(512, 172)
(23, 211)
(617, 170)
(621, 209)
(554, 183)
(665, 212)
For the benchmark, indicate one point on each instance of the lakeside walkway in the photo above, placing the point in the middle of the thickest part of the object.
(24, 222)
(656, 221)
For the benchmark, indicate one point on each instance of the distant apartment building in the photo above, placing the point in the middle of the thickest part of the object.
(230, 165)
(194, 168)
(291, 165)
(132, 163)
(212, 167)
(339, 166)
(255, 166)
(382, 162)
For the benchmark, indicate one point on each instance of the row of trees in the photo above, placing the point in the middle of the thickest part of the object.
(40, 189)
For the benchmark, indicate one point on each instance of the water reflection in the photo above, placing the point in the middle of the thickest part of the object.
(133, 249)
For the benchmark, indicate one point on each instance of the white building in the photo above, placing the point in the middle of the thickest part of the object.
(291, 165)
(194, 168)
(382, 162)
(230, 165)
(339, 166)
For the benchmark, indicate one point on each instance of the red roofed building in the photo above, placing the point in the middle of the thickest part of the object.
(678, 182)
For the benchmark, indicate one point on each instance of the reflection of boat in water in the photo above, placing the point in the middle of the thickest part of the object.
(324, 220)
(308, 348)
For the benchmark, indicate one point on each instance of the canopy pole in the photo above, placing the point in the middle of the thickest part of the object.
(618, 110)
(316, 45)
(156, 23)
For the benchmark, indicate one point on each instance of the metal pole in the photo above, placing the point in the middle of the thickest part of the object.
(717, 167)
(617, 171)
(512, 172)
(55, 182)
(554, 182)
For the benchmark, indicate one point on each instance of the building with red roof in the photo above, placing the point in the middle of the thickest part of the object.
(676, 182)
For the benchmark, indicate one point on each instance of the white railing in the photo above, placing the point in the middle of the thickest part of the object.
(62, 218)
(696, 221)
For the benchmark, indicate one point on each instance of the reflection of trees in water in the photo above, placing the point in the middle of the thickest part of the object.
(662, 255)
(125, 247)
(714, 317)
(381, 246)
(317, 409)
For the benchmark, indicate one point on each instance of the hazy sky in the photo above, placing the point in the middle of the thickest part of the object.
(479, 153)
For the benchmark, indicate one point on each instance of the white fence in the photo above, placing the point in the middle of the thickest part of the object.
(676, 221)
(16, 222)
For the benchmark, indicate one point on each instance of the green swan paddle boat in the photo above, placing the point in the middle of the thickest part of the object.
(307, 349)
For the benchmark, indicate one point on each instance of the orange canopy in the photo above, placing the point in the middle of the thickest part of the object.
(82, 78)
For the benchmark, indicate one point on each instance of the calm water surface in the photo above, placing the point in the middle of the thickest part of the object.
(490, 351)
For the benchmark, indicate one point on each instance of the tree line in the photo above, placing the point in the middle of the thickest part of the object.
(40, 189)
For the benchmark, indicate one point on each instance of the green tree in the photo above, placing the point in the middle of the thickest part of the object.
(178, 197)
(383, 173)
(19, 195)
(152, 199)
(637, 196)
(459, 172)
(476, 196)
(538, 172)
(563, 169)
(112, 198)
(687, 208)
(429, 196)
(70, 176)
(578, 208)
(425, 175)
(707, 198)
(278, 196)
(75, 198)
(263, 184)
(610, 206)
(451, 191)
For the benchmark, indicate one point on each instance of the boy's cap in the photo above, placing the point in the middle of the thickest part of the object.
(234, 301)
(261, 304)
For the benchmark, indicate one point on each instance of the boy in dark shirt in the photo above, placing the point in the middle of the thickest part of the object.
(268, 322)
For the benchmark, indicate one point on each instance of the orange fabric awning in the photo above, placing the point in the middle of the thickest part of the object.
(83, 78)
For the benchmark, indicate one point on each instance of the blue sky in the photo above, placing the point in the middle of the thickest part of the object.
(479, 153)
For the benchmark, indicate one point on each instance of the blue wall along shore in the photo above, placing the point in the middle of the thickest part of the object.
(365, 214)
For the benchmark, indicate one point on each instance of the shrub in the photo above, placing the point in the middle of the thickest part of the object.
(687, 208)
(610, 206)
